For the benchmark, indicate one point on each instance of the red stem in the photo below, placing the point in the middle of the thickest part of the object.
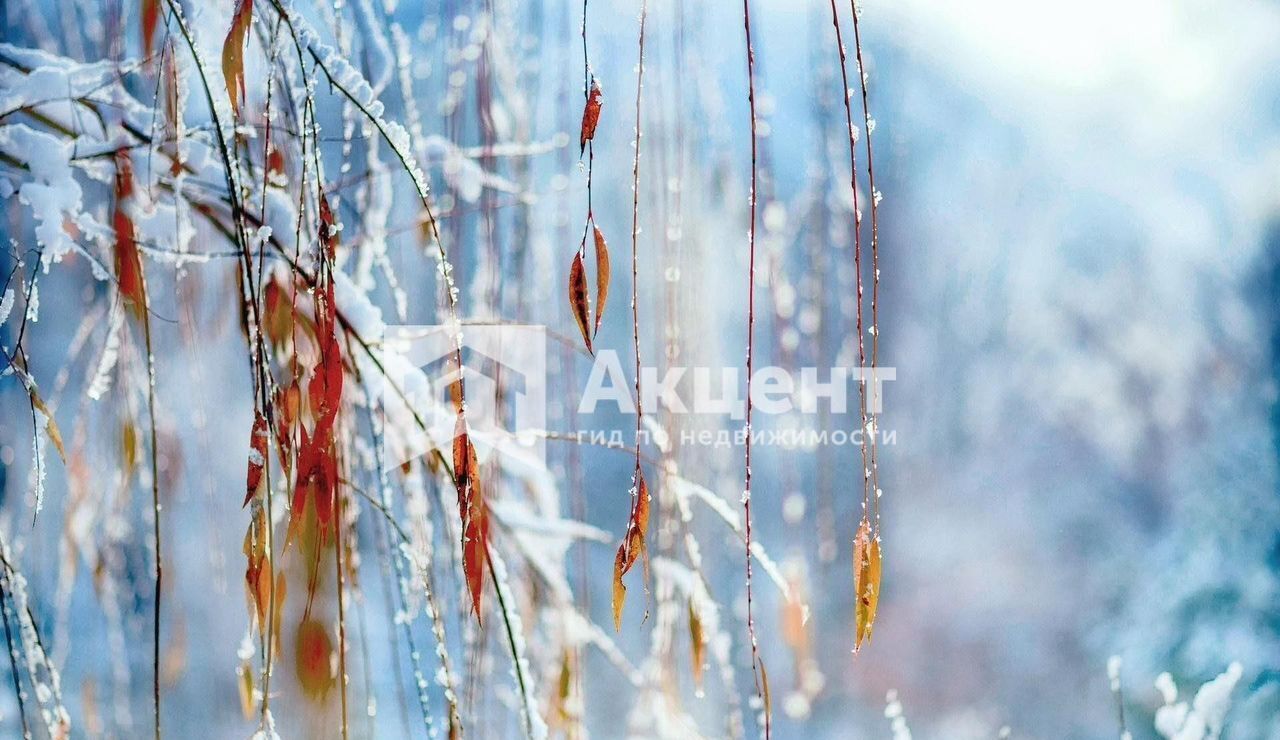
(751, 323)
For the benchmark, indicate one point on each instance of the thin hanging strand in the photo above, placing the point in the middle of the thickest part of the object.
(756, 667)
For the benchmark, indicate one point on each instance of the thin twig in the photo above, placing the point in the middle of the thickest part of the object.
(756, 667)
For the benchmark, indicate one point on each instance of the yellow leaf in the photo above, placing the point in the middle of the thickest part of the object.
(619, 590)
(245, 684)
(697, 645)
(768, 701)
(50, 425)
(866, 582)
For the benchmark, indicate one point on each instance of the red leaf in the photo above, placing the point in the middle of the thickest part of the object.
(328, 233)
(474, 512)
(233, 53)
(316, 482)
(150, 16)
(590, 116)
(128, 261)
(257, 457)
(578, 300)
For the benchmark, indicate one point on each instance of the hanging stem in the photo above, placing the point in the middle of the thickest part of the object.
(635, 234)
(155, 499)
(875, 266)
(756, 668)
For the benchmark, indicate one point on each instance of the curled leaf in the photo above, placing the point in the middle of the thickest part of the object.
(590, 115)
(233, 53)
(578, 300)
(632, 547)
(602, 276)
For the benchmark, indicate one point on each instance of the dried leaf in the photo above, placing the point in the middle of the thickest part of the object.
(150, 17)
(602, 276)
(794, 619)
(277, 618)
(257, 457)
(578, 300)
(872, 593)
(316, 482)
(866, 582)
(619, 590)
(275, 161)
(328, 230)
(233, 53)
(764, 692)
(258, 571)
(312, 654)
(474, 512)
(245, 684)
(50, 426)
(128, 261)
(632, 547)
(697, 645)
(590, 116)
(128, 447)
(560, 713)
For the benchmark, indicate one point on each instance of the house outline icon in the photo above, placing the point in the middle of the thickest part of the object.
(510, 356)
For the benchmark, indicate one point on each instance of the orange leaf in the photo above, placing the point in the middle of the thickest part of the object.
(277, 615)
(602, 276)
(578, 300)
(632, 547)
(233, 53)
(312, 655)
(590, 116)
(697, 645)
(257, 572)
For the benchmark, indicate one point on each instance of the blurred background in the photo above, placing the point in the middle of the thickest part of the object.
(1079, 254)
